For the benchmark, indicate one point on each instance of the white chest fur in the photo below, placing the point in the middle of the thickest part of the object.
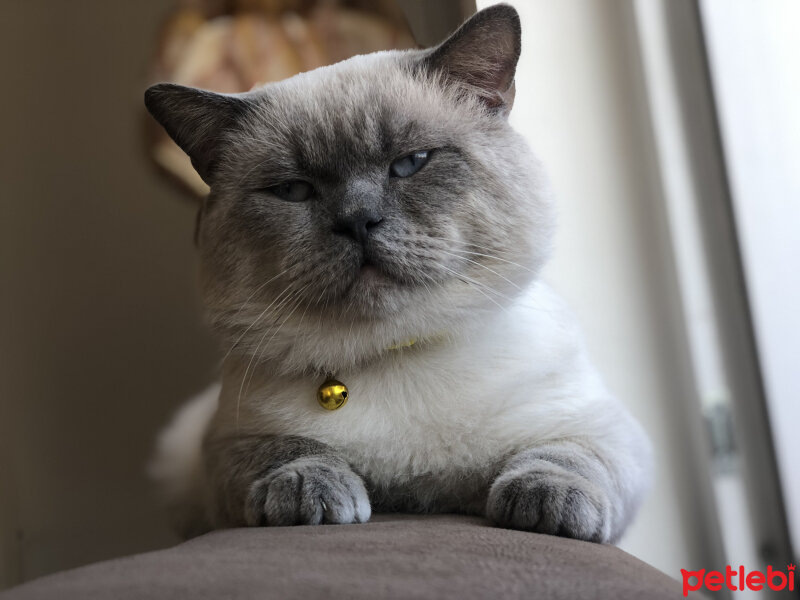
(518, 378)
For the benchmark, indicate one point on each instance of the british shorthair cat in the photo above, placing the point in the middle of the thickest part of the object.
(371, 249)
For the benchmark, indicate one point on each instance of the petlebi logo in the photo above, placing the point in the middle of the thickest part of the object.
(738, 580)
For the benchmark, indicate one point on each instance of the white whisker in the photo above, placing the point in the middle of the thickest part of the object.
(474, 262)
(298, 295)
(497, 258)
(246, 302)
(290, 296)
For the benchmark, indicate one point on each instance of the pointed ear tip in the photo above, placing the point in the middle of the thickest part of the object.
(163, 86)
(502, 12)
(153, 94)
(504, 9)
(503, 19)
(156, 97)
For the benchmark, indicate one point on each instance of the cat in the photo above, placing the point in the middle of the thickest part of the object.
(379, 221)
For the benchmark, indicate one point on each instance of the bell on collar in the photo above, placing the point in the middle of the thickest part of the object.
(332, 394)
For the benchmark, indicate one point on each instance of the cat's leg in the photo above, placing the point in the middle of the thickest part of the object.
(567, 488)
(282, 480)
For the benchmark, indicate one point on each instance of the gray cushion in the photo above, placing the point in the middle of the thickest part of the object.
(393, 556)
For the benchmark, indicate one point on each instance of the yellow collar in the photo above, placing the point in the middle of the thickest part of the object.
(405, 344)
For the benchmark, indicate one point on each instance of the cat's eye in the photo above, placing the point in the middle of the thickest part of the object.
(292, 191)
(406, 166)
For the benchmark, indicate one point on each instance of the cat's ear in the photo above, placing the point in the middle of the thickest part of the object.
(482, 55)
(196, 120)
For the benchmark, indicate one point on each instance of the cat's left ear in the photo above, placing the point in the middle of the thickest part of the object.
(482, 55)
(196, 120)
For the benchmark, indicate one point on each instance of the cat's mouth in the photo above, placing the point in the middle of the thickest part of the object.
(366, 281)
(369, 269)
(375, 278)
(373, 275)
(385, 273)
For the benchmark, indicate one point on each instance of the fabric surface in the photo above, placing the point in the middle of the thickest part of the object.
(393, 556)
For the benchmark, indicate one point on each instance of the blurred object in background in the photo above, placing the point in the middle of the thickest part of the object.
(753, 49)
(724, 94)
(236, 45)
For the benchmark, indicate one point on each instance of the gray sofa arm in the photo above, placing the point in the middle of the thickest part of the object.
(393, 556)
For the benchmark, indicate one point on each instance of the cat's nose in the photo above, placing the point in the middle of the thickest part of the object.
(358, 224)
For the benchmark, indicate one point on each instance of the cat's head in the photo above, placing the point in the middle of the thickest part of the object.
(380, 199)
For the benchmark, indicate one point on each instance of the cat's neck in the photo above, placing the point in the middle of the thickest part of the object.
(347, 348)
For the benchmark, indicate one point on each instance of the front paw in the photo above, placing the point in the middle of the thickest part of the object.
(308, 491)
(547, 498)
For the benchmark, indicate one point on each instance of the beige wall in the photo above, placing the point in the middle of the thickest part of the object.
(99, 328)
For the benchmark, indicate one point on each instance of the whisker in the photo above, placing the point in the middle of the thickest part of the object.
(475, 245)
(478, 289)
(474, 262)
(510, 262)
(473, 281)
(256, 320)
(246, 302)
(299, 297)
(253, 356)
(500, 306)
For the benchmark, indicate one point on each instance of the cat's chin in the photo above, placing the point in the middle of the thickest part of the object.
(371, 288)
(374, 292)
(370, 273)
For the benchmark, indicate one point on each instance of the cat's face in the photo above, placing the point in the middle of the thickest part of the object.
(384, 197)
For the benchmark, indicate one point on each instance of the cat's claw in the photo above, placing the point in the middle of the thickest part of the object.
(550, 499)
(308, 491)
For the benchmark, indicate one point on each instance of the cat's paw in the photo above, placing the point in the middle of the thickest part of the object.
(308, 491)
(551, 499)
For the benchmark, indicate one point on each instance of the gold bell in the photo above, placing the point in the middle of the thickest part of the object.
(332, 394)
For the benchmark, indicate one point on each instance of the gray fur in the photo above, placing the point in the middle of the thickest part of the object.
(457, 491)
(284, 480)
(561, 488)
(276, 270)
(272, 480)
(340, 127)
(308, 491)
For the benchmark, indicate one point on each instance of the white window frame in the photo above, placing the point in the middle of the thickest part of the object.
(701, 229)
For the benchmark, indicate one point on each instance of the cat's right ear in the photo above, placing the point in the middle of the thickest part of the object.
(196, 120)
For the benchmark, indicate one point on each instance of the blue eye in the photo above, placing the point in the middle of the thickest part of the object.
(408, 165)
(292, 191)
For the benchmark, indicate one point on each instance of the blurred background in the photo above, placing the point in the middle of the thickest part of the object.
(670, 129)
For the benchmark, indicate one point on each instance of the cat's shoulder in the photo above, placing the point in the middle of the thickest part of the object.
(542, 308)
(537, 328)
